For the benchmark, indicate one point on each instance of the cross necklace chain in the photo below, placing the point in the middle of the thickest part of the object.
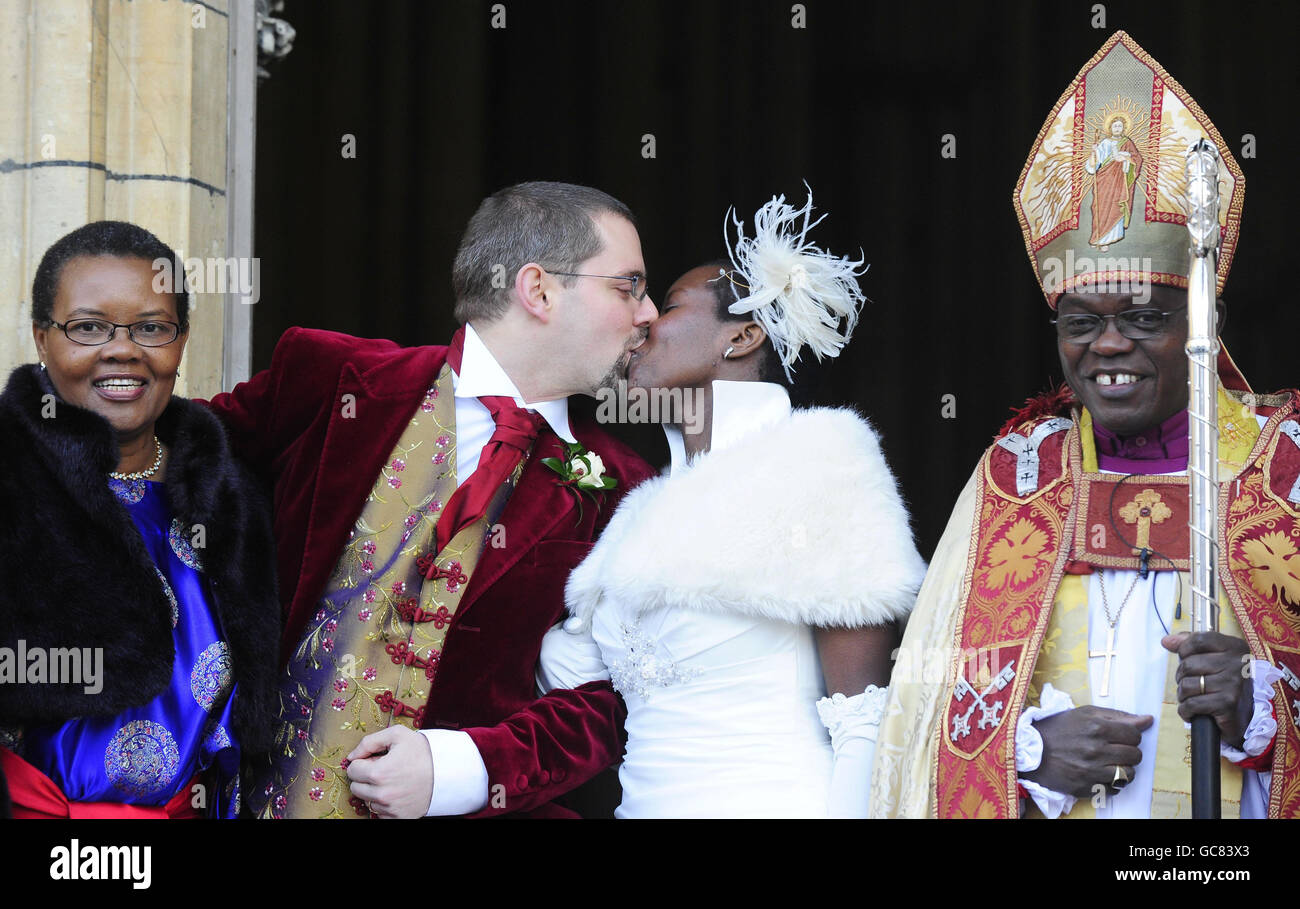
(1109, 652)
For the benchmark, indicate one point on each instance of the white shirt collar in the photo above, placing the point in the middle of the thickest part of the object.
(481, 374)
(739, 408)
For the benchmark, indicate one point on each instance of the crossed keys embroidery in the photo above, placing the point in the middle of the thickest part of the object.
(1293, 682)
(990, 714)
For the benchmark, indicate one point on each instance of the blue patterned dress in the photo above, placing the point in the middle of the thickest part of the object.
(145, 755)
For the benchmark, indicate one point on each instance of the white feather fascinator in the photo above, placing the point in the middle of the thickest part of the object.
(802, 295)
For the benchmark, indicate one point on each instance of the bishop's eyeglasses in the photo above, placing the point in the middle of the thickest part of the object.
(1135, 324)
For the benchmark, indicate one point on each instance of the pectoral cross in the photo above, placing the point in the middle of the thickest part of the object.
(1146, 509)
(1108, 653)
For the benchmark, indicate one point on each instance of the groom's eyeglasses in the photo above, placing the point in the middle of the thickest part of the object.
(640, 287)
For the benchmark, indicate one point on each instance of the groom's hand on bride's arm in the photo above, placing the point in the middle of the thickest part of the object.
(392, 770)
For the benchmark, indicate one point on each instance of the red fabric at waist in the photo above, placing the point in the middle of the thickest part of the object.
(35, 795)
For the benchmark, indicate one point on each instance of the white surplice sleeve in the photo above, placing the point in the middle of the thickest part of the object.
(1029, 751)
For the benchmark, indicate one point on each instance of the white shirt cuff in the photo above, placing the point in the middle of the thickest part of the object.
(1029, 750)
(460, 778)
(1263, 726)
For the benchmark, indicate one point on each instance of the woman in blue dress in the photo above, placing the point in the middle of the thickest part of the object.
(138, 614)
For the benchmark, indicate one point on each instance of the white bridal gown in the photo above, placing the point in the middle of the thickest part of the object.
(723, 706)
(722, 718)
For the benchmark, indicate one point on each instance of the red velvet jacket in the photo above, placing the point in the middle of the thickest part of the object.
(318, 425)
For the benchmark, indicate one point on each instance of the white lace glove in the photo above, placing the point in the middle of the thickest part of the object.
(1029, 751)
(853, 723)
(570, 657)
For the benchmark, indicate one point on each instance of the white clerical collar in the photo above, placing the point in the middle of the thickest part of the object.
(739, 408)
(481, 374)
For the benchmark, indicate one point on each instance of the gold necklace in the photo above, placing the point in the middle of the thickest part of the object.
(147, 473)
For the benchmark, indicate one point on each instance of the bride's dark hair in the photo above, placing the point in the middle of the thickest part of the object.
(724, 294)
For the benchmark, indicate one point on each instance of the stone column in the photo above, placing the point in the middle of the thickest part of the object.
(116, 109)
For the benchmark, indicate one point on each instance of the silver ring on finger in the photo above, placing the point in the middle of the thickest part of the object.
(1121, 778)
(1202, 684)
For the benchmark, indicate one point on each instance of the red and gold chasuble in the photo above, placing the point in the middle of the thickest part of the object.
(1039, 506)
(369, 657)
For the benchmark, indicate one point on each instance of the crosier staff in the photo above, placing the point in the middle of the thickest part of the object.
(1203, 452)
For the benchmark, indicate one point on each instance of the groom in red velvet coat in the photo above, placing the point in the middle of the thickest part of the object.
(551, 278)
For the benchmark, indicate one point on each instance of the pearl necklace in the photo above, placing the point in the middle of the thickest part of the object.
(143, 474)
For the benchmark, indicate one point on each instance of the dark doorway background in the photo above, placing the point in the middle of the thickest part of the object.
(445, 109)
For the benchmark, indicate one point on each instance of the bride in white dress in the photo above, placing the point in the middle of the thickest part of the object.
(772, 564)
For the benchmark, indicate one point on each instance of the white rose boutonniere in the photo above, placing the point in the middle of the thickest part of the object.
(581, 471)
(590, 471)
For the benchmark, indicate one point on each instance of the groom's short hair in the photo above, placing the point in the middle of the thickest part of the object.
(552, 224)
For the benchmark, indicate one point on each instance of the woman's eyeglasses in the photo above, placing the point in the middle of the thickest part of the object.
(93, 332)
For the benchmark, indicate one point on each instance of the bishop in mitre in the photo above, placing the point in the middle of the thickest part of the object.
(1049, 667)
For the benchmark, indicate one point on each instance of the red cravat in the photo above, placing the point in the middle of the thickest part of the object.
(516, 428)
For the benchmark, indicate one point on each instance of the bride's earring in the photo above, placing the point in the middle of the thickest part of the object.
(727, 353)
